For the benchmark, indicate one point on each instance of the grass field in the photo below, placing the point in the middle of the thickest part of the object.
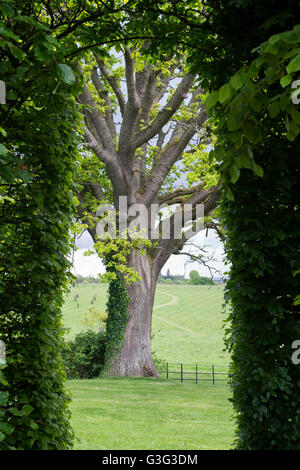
(147, 414)
(187, 320)
(150, 414)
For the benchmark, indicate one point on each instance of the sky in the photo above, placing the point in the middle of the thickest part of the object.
(178, 264)
(92, 265)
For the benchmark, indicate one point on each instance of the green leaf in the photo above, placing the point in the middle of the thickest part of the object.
(27, 409)
(258, 170)
(14, 411)
(211, 100)
(42, 53)
(274, 109)
(234, 122)
(249, 151)
(294, 65)
(52, 40)
(66, 74)
(290, 54)
(229, 194)
(284, 102)
(26, 176)
(7, 174)
(6, 428)
(286, 80)
(33, 425)
(271, 48)
(29, 20)
(275, 38)
(236, 81)
(7, 9)
(290, 37)
(17, 52)
(290, 136)
(7, 33)
(251, 132)
(244, 160)
(256, 103)
(218, 153)
(234, 173)
(225, 92)
(295, 114)
(3, 150)
(3, 398)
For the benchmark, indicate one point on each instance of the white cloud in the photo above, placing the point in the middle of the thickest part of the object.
(209, 241)
(92, 265)
(87, 265)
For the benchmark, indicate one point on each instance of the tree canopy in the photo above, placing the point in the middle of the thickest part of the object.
(145, 124)
(246, 53)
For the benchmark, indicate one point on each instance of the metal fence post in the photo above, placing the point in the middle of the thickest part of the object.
(198, 372)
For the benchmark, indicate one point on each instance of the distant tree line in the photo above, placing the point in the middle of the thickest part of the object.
(194, 279)
(89, 279)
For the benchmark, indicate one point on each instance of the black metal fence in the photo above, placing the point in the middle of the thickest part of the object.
(194, 372)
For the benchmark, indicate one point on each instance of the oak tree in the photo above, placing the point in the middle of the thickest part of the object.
(146, 126)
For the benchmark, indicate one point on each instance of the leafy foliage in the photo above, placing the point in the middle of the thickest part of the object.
(117, 313)
(8, 413)
(145, 124)
(258, 157)
(30, 310)
(196, 279)
(257, 153)
(84, 356)
(115, 253)
(39, 138)
(252, 99)
(264, 322)
(38, 149)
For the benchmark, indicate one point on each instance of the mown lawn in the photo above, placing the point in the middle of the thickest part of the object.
(188, 324)
(187, 320)
(150, 414)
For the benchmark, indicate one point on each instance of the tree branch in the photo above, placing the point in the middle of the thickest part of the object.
(174, 245)
(113, 168)
(113, 83)
(169, 156)
(167, 112)
(126, 148)
(104, 96)
(99, 122)
(177, 196)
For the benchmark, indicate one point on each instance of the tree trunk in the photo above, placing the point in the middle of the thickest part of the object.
(135, 357)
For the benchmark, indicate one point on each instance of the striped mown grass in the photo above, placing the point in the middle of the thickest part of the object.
(112, 413)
